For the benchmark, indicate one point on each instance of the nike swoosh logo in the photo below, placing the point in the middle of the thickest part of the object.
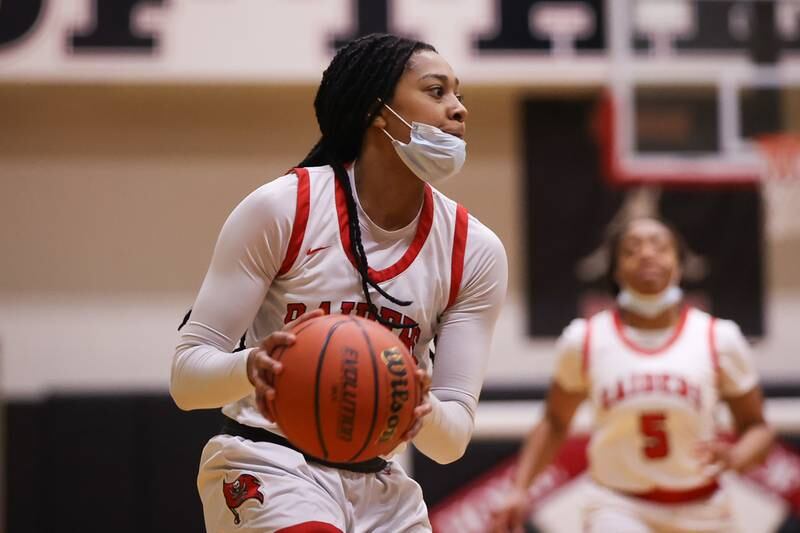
(312, 251)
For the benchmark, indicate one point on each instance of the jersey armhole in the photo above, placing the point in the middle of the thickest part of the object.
(457, 257)
(300, 220)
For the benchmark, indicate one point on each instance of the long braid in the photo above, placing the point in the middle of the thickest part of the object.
(361, 75)
(355, 236)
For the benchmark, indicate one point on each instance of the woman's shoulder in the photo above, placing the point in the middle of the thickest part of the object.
(271, 200)
(575, 332)
(484, 237)
(282, 191)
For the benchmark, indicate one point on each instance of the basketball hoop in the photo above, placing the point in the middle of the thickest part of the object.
(781, 182)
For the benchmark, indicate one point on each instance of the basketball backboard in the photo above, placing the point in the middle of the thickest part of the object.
(694, 83)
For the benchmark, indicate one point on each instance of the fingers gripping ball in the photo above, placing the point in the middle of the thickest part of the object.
(347, 391)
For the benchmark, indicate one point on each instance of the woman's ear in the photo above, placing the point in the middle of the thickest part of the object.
(380, 121)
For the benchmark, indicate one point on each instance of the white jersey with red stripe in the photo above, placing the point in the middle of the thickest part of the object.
(285, 249)
(319, 270)
(654, 395)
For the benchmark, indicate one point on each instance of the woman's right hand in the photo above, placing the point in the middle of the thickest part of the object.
(261, 368)
(508, 516)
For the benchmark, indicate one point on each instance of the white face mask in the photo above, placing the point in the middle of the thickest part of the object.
(649, 305)
(432, 154)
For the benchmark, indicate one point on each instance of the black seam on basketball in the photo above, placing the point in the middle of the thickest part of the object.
(320, 360)
(375, 390)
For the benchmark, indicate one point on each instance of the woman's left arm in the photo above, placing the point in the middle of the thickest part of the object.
(755, 435)
(739, 387)
(462, 348)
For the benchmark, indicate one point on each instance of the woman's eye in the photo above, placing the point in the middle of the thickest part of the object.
(460, 98)
(437, 91)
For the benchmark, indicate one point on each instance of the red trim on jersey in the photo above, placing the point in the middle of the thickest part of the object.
(300, 219)
(650, 351)
(423, 229)
(587, 337)
(457, 258)
(712, 344)
(677, 496)
(310, 527)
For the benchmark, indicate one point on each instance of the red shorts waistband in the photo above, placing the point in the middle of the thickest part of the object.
(676, 496)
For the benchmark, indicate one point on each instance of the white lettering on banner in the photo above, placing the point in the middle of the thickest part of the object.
(280, 41)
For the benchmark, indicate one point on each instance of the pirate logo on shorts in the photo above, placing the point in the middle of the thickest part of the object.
(239, 491)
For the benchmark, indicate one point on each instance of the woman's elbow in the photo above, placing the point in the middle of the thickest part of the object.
(180, 396)
(451, 453)
(181, 393)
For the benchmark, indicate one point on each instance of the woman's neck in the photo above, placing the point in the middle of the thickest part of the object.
(389, 193)
(668, 318)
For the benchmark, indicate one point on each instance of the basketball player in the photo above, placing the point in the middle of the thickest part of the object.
(653, 370)
(357, 228)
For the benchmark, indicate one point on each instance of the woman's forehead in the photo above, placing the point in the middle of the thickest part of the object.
(646, 227)
(428, 62)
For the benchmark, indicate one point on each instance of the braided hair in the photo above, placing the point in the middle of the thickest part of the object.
(361, 76)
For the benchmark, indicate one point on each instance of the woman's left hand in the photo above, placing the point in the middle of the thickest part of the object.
(715, 456)
(424, 408)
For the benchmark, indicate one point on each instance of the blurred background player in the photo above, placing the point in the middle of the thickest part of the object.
(653, 369)
(358, 230)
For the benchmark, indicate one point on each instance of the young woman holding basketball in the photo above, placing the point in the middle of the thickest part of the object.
(357, 228)
(653, 369)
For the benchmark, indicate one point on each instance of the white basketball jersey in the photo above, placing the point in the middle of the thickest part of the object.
(652, 406)
(319, 271)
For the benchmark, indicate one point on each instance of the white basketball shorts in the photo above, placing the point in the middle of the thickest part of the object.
(608, 510)
(261, 487)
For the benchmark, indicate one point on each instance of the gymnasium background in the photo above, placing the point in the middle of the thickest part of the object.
(130, 128)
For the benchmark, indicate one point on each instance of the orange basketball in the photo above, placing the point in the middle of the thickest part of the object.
(347, 391)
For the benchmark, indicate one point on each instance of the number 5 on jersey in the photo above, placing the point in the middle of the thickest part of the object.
(656, 442)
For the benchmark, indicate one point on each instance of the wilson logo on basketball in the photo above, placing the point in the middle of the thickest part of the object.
(347, 404)
(393, 358)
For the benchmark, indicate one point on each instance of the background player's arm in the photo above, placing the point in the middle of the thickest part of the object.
(538, 450)
(755, 436)
(247, 256)
(740, 389)
(568, 389)
(463, 347)
(546, 437)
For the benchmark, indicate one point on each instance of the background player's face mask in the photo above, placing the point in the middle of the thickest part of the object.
(649, 305)
(432, 154)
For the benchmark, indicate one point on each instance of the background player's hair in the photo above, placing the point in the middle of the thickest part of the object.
(613, 241)
(361, 75)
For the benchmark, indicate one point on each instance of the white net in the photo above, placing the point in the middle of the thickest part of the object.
(781, 154)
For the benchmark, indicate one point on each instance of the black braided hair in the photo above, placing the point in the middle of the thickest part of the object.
(361, 75)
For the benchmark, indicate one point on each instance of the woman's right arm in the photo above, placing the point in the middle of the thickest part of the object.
(567, 390)
(538, 450)
(247, 256)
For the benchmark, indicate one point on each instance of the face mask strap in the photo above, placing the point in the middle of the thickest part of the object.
(389, 135)
(384, 104)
